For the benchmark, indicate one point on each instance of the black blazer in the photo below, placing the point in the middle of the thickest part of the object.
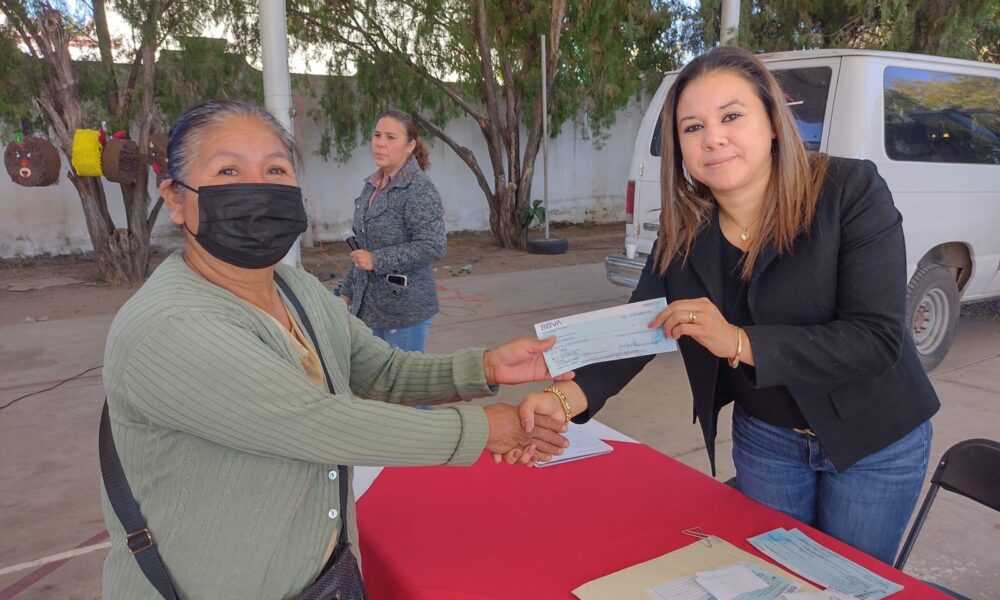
(828, 323)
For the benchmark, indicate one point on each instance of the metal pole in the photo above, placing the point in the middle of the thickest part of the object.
(730, 23)
(545, 139)
(277, 79)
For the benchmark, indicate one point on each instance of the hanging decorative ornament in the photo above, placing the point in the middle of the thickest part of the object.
(120, 160)
(158, 156)
(87, 152)
(31, 161)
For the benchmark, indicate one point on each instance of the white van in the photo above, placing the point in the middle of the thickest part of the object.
(931, 124)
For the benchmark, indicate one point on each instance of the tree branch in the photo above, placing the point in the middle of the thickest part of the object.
(493, 127)
(380, 39)
(404, 57)
(154, 12)
(20, 25)
(464, 153)
(154, 213)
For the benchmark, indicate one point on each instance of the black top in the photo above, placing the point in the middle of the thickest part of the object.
(828, 323)
(774, 404)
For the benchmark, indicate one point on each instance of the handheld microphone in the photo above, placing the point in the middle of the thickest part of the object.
(352, 242)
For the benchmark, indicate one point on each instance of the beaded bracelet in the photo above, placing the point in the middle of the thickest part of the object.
(563, 400)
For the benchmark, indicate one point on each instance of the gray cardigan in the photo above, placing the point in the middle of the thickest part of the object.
(404, 230)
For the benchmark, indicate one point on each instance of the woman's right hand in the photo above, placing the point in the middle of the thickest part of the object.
(506, 433)
(544, 405)
(346, 299)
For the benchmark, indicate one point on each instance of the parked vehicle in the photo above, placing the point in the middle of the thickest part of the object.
(931, 124)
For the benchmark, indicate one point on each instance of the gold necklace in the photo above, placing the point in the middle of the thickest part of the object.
(744, 231)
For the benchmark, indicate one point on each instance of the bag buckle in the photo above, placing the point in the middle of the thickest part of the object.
(139, 541)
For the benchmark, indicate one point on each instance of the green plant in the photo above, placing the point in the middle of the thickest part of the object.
(532, 212)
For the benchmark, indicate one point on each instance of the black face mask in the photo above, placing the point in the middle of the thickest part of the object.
(249, 225)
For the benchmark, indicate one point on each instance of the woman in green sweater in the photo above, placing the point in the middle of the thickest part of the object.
(229, 437)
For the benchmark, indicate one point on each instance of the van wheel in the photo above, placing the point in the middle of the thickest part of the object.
(547, 246)
(932, 307)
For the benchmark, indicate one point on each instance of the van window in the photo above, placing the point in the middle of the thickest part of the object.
(933, 116)
(806, 91)
(654, 146)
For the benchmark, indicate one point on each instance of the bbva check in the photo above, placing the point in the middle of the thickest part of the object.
(603, 335)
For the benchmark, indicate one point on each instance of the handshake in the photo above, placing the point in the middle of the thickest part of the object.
(530, 432)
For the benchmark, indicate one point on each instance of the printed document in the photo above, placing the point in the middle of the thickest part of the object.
(800, 553)
(824, 595)
(581, 445)
(738, 581)
(603, 335)
(730, 581)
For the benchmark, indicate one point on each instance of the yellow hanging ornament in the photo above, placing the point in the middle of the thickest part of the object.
(87, 153)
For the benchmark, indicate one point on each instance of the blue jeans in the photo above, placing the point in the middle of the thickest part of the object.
(866, 506)
(411, 338)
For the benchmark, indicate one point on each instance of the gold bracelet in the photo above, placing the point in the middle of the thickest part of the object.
(735, 361)
(563, 400)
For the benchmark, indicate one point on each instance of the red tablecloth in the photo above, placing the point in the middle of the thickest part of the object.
(497, 532)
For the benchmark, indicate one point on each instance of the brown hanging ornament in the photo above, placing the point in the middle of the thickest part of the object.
(34, 162)
(120, 161)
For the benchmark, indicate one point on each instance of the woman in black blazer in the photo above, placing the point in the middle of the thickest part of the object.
(785, 276)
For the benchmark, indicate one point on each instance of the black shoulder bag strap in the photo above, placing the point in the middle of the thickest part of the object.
(341, 469)
(138, 537)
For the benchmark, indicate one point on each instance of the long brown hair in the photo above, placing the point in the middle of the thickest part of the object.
(412, 131)
(793, 188)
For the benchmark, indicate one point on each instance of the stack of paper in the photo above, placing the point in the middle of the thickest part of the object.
(581, 445)
(798, 552)
(742, 581)
(681, 569)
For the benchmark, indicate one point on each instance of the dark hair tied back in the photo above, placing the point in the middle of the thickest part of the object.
(412, 134)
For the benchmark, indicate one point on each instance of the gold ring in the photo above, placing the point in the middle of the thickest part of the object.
(692, 317)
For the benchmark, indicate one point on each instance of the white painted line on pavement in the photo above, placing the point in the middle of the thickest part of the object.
(54, 558)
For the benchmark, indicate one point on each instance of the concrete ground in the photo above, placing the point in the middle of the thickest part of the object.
(53, 542)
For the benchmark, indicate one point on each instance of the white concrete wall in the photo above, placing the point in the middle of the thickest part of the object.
(586, 184)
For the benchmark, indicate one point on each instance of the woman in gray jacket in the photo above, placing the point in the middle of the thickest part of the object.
(399, 224)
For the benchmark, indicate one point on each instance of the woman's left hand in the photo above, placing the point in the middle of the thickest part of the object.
(519, 361)
(363, 260)
(702, 321)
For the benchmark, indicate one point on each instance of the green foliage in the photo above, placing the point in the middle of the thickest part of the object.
(535, 212)
(968, 29)
(203, 69)
(18, 72)
(191, 68)
(612, 51)
(403, 52)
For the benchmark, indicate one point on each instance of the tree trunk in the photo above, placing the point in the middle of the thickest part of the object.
(506, 228)
(526, 171)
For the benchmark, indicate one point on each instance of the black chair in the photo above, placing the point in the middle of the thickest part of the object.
(971, 469)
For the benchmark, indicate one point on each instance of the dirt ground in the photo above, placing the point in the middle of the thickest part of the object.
(63, 287)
